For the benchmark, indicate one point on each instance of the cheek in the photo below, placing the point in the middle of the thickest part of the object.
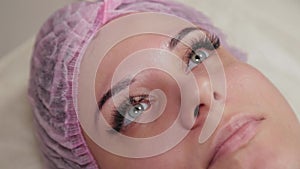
(250, 91)
(247, 86)
(174, 159)
(261, 155)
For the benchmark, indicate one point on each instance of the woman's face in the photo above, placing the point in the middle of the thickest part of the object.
(258, 129)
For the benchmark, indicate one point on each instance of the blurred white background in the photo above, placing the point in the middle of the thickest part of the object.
(21, 19)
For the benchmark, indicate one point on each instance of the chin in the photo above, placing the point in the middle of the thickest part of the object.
(258, 156)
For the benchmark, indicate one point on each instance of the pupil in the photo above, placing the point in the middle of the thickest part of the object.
(197, 58)
(135, 111)
(138, 108)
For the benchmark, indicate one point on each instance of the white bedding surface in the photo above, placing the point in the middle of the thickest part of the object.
(267, 30)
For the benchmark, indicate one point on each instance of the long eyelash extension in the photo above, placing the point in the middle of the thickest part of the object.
(119, 115)
(118, 121)
(120, 112)
(215, 41)
(209, 42)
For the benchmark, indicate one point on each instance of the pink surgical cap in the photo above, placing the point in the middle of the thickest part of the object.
(59, 45)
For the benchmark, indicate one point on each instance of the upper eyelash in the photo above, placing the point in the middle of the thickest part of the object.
(209, 42)
(119, 112)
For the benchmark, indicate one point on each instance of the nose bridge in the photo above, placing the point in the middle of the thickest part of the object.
(197, 98)
(205, 89)
(211, 81)
(205, 105)
(212, 89)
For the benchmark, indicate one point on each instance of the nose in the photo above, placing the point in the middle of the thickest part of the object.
(205, 106)
(209, 97)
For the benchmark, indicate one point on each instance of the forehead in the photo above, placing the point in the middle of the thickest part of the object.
(123, 36)
(121, 51)
(133, 44)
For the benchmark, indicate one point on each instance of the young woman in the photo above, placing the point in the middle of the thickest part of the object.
(152, 84)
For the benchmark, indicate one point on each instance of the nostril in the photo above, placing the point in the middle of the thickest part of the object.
(197, 110)
(217, 96)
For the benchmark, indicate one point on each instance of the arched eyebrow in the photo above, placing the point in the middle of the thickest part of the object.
(184, 32)
(126, 82)
(121, 85)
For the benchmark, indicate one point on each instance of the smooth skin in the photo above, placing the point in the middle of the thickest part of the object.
(248, 92)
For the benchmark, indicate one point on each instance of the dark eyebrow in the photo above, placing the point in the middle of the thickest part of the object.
(121, 85)
(126, 82)
(174, 41)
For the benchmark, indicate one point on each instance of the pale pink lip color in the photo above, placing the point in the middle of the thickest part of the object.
(234, 135)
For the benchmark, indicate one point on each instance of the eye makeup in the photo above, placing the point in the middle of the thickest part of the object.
(196, 50)
(199, 49)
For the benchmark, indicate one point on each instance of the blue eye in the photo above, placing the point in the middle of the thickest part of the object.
(134, 112)
(196, 58)
(128, 111)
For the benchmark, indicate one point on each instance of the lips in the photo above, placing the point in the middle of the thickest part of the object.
(238, 132)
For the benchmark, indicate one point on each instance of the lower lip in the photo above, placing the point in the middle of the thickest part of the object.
(241, 137)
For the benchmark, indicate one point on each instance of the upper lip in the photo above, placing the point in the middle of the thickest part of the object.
(229, 129)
